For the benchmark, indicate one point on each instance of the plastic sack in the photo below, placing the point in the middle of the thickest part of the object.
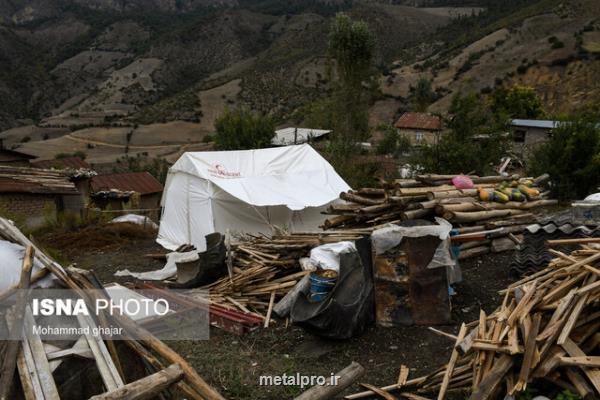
(11, 256)
(327, 256)
(462, 182)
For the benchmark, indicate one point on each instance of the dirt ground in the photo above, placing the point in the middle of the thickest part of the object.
(234, 364)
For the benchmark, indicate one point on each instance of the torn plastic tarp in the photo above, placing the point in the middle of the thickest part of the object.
(327, 256)
(389, 237)
(135, 219)
(168, 271)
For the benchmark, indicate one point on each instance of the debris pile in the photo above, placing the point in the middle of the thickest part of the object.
(263, 270)
(546, 329)
(497, 207)
(35, 360)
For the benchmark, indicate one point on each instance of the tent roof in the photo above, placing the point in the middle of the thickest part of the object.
(294, 176)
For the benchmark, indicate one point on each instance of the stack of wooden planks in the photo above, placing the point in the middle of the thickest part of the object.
(435, 195)
(264, 269)
(546, 329)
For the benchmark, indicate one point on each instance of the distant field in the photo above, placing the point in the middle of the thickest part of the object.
(106, 145)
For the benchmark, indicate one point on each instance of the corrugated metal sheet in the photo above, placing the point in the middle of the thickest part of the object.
(288, 136)
(62, 163)
(413, 120)
(140, 182)
(535, 123)
(31, 180)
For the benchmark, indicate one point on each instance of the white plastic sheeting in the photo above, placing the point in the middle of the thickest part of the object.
(327, 256)
(593, 197)
(389, 237)
(248, 191)
(168, 271)
(11, 264)
(135, 219)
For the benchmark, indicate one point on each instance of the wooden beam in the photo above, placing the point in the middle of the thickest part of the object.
(145, 388)
(347, 377)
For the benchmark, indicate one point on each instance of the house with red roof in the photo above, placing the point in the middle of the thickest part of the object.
(130, 190)
(419, 128)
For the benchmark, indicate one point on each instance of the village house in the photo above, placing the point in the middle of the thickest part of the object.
(78, 170)
(419, 128)
(33, 196)
(14, 158)
(131, 190)
(528, 133)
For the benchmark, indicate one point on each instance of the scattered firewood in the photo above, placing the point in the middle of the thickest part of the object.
(546, 327)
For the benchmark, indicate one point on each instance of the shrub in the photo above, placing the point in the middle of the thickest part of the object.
(571, 157)
(241, 129)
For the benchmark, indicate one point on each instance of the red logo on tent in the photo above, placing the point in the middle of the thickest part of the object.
(220, 171)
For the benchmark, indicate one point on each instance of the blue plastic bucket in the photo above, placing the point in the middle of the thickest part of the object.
(320, 286)
(318, 297)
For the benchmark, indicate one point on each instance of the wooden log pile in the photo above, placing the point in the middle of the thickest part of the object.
(265, 269)
(434, 195)
(546, 329)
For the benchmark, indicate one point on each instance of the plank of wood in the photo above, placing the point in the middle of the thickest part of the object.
(34, 346)
(146, 388)
(564, 242)
(493, 379)
(31, 391)
(572, 320)
(593, 374)
(403, 375)
(108, 371)
(530, 351)
(584, 390)
(379, 392)
(585, 361)
(270, 309)
(453, 358)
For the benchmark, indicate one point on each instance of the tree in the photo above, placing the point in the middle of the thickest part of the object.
(476, 139)
(352, 45)
(423, 95)
(517, 102)
(241, 129)
(392, 142)
(571, 156)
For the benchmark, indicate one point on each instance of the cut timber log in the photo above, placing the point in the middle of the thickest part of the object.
(145, 388)
(461, 217)
(359, 199)
(452, 193)
(347, 377)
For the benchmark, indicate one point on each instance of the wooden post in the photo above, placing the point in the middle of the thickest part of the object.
(145, 388)
(10, 357)
(347, 376)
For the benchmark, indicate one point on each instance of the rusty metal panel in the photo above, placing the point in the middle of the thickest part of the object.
(406, 292)
(430, 301)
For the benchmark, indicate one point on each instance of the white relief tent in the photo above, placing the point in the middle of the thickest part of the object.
(247, 191)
